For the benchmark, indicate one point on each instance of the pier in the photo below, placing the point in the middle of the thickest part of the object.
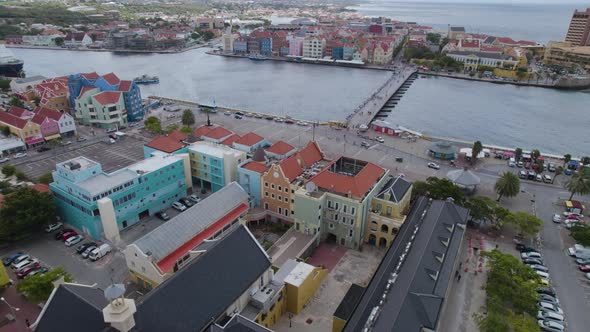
(383, 101)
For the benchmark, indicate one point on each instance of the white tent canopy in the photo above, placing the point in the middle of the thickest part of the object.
(469, 152)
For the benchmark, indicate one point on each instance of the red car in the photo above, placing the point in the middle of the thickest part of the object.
(26, 270)
(585, 268)
(68, 235)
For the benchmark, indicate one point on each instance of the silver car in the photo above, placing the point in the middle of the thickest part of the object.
(550, 326)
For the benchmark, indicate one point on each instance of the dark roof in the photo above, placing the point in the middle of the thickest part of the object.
(200, 292)
(239, 323)
(73, 307)
(416, 296)
(349, 302)
(396, 188)
(488, 55)
(459, 29)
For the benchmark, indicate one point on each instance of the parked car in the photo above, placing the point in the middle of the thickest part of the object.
(539, 267)
(100, 252)
(20, 155)
(522, 174)
(40, 270)
(68, 235)
(523, 248)
(28, 269)
(531, 175)
(547, 178)
(280, 120)
(365, 144)
(539, 178)
(548, 298)
(556, 218)
(59, 234)
(187, 202)
(194, 198)
(18, 267)
(567, 214)
(583, 261)
(3, 160)
(520, 164)
(379, 139)
(18, 260)
(529, 261)
(238, 116)
(546, 290)
(546, 306)
(82, 138)
(547, 315)
(527, 165)
(584, 268)
(88, 251)
(289, 121)
(240, 113)
(550, 326)
(73, 240)
(163, 215)
(52, 227)
(179, 206)
(301, 123)
(66, 143)
(433, 165)
(530, 254)
(551, 167)
(542, 274)
(81, 248)
(43, 149)
(228, 113)
(10, 258)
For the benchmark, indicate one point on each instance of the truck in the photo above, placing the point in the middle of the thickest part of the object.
(100, 252)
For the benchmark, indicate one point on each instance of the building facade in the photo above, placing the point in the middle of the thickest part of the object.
(564, 54)
(313, 47)
(26, 130)
(578, 32)
(249, 177)
(213, 165)
(102, 204)
(472, 60)
(101, 109)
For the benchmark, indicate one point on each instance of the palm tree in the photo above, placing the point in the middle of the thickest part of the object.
(579, 183)
(566, 159)
(477, 147)
(507, 185)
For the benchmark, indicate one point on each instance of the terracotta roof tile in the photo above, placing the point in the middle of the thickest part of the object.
(165, 143)
(250, 139)
(12, 120)
(42, 188)
(125, 85)
(230, 140)
(292, 167)
(311, 153)
(280, 148)
(90, 76)
(85, 89)
(41, 113)
(178, 136)
(218, 133)
(18, 111)
(111, 78)
(107, 97)
(202, 130)
(256, 166)
(357, 185)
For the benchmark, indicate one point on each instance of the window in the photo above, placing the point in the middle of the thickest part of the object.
(389, 210)
(350, 232)
(286, 213)
(329, 204)
(272, 185)
(280, 198)
(336, 217)
(280, 210)
(336, 205)
(286, 199)
(266, 194)
(272, 196)
(331, 226)
(292, 212)
(344, 208)
(266, 206)
(352, 210)
(280, 188)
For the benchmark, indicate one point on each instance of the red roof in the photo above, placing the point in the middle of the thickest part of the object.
(12, 120)
(49, 32)
(506, 40)
(280, 148)
(165, 143)
(177, 135)
(230, 140)
(85, 89)
(526, 43)
(167, 263)
(491, 49)
(41, 113)
(292, 167)
(217, 133)
(107, 97)
(356, 185)
(42, 188)
(201, 131)
(125, 85)
(18, 111)
(311, 153)
(470, 43)
(249, 139)
(111, 78)
(90, 76)
(256, 166)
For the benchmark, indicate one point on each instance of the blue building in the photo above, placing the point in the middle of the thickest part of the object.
(348, 52)
(249, 174)
(102, 204)
(338, 53)
(109, 82)
(240, 46)
(266, 46)
(214, 166)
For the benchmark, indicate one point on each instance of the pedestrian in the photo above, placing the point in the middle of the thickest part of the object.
(27, 322)
(459, 278)
(461, 263)
(456, 273)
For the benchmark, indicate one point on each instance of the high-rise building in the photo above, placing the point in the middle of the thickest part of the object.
(579, 31)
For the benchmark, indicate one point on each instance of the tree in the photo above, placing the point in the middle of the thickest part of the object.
(581, 234)
(15, 101)
(535, 154)
(437, 188)
(433, 38)
(25, 211)
(59, 41)
(566, 158)
(507, 185)
(585, 160)
(36, 100)
(538, 166)
(208, 35)
(485, 209)
(419, 188)
(170, 128)
(153, 124)
(579, 183)
(194, 35)
(37, 288)
(6, 131)
(188, 118)
(20, 175)
(518, 153)
(477, 148)
(46, 178)
(8, 170)
(526, 223)
(186, 130)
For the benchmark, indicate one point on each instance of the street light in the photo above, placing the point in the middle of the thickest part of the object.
(13, 309)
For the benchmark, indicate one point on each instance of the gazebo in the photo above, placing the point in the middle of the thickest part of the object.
(442, 150)
(464, 179)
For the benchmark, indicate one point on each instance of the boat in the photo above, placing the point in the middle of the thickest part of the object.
(257, 57)
(145, 79)
(10, 66)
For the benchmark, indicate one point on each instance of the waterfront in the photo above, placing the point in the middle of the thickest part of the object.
(497, 114)
(538, 21)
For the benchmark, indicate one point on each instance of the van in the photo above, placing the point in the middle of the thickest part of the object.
(511, 162)
(99, 252)
(547, 178)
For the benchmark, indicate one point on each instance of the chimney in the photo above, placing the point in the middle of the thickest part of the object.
(387, 196)
(119, 312)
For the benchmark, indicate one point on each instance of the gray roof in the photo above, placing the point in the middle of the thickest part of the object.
(349, 302)
(239, 323)
(103, 182)
(198, 294)
(463, 177)
(458, 29)
(489, 40)
(177, 231)
(497, 56)
(80, 305)
(415, 298)
(396, 188)
(30, 79)
(259, 154)
(441, 147)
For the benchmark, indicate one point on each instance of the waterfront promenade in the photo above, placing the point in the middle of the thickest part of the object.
(366, 111)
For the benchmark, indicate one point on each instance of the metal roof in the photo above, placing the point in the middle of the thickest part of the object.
(463, 177)
(165, 239)
(396, 187)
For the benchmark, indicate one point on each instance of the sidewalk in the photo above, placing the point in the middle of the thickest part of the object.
(21, 309)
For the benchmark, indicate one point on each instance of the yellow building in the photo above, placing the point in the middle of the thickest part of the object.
(301, 282)
(563, 53)
(269, 318)
(4, 280)
(346, 307)
(389, 206)
(25, 129)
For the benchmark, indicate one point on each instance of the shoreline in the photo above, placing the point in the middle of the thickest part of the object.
(31, 47)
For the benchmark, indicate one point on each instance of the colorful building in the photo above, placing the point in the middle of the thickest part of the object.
(102, 204)
(250, 142)
(301, 282)
(295, 45)
(214, 166)
(52, 93)
(101, 109)
(151, 261)
(313, 47)
(26, 130)
(249, 177)
(54, 124)
(175, 143)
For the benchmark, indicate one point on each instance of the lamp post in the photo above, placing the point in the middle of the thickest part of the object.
(12, 309)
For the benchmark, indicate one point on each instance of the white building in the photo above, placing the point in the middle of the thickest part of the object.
(313, 47)
(23, 84)
(472, 60)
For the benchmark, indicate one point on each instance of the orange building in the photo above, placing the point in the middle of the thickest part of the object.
(278, 183)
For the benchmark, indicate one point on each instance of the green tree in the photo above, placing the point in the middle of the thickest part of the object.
(188, 118)
(20, 175)
(535, 154)
(186, 130)
(194, 35)
(208, 35)
(566, 158)
(37, 288)
(46, 178)
(8, 170)
(15, 101)
(579, 183)
(433, 38)
(585, 160)
(518, 153)
(581, 234)
(419, 188)
(526, 223)
(59, 41)
(538, 166)
(6, 131)
(488, 210)
(36, 100)
(507, 185)
(437, 188)
(25, 211)
(475, 150)
(153, 124)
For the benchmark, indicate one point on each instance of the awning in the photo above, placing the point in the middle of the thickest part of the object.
(33, 140)
(54, 136)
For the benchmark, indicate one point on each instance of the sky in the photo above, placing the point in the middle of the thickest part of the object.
(581, 2)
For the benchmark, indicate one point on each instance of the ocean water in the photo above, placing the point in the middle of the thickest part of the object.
(540, 21)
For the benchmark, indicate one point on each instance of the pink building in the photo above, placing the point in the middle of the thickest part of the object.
(295, 45)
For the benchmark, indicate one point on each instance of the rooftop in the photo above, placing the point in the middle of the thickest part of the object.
(249, 139)
(349, 302)
(105, 181)
(154, 163)
(484, 55)
(107, 97)
(78, 164)
(212, 149)
(280, 148)
(255, 166)
(294, 272)
(165, 143)
(396, 187)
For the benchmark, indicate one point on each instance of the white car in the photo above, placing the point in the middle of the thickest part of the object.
(547, 306)
(551, 326)
(73, 240)
(379, 139)
(301, 123)
(52, 227)
(280, 120)
(556, 218)
(548, 315)
(3, 160)
(179, 206)
(227, 113)
(542, 274)
(433, 165)
(20, 155)
(530, 254)
(194, 198)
